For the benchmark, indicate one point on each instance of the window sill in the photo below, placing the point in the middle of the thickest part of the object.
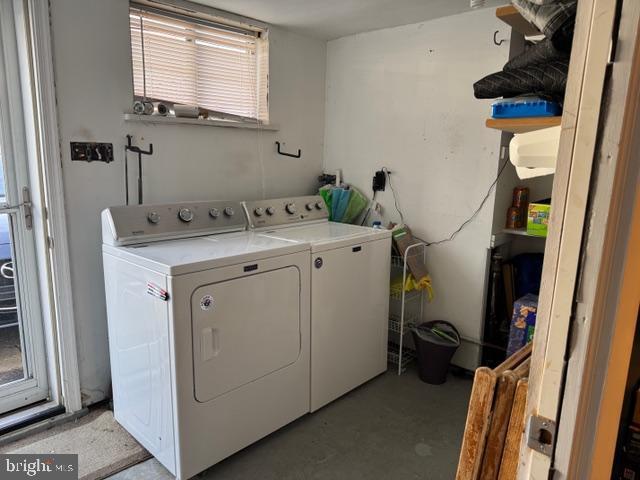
(160, 120)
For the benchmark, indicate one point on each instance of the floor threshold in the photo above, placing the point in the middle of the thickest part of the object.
(31, 420)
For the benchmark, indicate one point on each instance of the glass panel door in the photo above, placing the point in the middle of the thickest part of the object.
(23, 376)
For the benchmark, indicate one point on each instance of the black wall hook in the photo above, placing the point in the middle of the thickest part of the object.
(495, 40)
(132, 148)
(288, 154)
(138, 150)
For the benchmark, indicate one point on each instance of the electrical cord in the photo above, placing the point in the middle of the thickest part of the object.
(366, 215)
(463, 224)
(395, 198)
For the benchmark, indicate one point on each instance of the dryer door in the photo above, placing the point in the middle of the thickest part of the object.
(244, 329)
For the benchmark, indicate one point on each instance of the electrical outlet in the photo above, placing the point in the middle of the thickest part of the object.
(379, 181)
(92, 152)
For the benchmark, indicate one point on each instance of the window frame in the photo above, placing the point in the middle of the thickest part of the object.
(186, 11)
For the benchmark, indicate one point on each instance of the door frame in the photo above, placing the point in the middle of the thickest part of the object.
(37, 71)
(35, 386)
(592, 453)
(583, 213)
(601, 350)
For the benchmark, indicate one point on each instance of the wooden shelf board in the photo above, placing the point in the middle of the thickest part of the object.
(510, 15)
(523, 125)
(507, 235)
(522, 232)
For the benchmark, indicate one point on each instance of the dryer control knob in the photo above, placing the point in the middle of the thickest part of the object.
(258, 211)
(319, 205)
(214, 212)
(185, 214)
(309, 206)
(271, 210)
(229, 212)
(290, 208)
(153, 217)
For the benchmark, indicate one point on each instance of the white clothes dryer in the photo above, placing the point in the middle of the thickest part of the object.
(208, 330)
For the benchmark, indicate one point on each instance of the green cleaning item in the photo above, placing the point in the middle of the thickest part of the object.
(325, 193)
(443, 334)
(357, 203)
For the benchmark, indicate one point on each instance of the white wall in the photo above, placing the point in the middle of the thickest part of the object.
(94, 88)
(403, 98)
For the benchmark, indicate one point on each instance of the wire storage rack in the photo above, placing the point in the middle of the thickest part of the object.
(405, 309)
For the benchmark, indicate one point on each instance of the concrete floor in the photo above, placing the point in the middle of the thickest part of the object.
(392, 428)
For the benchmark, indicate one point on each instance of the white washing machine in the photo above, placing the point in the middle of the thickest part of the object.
(349, 291)
(208, 331)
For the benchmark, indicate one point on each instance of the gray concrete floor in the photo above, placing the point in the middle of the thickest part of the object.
(392, 428)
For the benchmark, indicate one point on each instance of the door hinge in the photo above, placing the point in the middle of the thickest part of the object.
(50, 242)
(541, 435)
(27, 208)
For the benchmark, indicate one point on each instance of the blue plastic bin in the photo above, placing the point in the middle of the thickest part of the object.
(530, 107)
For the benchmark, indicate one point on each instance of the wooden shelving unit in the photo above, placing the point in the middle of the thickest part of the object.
(510, 15)
(523, 125)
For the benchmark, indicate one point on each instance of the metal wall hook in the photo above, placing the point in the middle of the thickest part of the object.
(298, 155)
(495, 40)
(132, 148)
(138, 150)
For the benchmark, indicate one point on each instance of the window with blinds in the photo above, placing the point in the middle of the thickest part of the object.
(191, 61)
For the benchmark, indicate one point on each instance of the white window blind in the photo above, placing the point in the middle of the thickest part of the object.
(220, 69)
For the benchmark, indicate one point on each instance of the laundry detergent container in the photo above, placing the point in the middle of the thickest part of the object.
(435, 343)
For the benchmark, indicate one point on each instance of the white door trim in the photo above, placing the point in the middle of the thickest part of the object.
(580, 121)
(35, 386)
(48, 155)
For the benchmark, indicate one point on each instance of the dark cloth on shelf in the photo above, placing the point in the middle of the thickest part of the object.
(548, 17)
(563, 38)
(548, 79)
(542, 52)
(555, 19)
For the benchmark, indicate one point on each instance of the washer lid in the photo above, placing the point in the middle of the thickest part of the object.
(328, 235)
(177, 257)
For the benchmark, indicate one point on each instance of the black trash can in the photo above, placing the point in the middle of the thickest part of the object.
(435, 342)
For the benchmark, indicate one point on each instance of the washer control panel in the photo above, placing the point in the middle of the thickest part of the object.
(134, 224)
(285, 211)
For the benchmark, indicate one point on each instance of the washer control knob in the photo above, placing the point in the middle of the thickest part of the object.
(309, 206)
(214, 212)
(319, 205)
(185, 214)
(258, 211)
(153, 217)
(271, 211)
(228, 211)
(290, 208)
